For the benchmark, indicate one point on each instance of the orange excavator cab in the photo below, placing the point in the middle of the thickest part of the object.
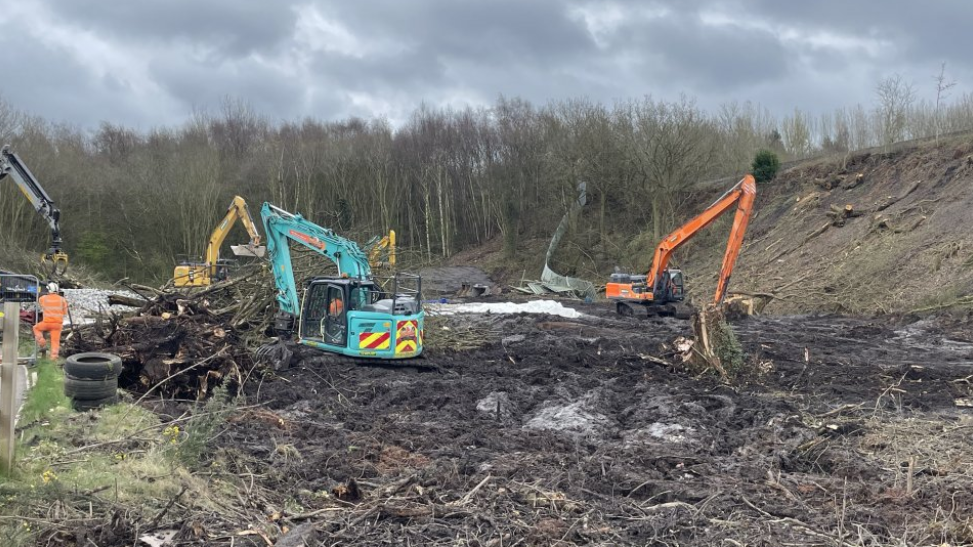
(661, 290)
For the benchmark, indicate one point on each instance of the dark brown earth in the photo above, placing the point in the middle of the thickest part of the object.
(569, 432)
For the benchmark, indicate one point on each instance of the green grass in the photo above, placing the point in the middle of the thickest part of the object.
(47, 396)
(119, 455)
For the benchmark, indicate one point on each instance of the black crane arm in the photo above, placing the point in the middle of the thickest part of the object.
(11, 165)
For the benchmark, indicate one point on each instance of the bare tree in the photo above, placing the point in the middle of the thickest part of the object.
(941, 87)
(796, 131)
(10, 121)
(673, 148)
(895, 97)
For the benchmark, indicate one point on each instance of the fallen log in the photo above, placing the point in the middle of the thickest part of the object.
(816, 233)
(122, 300)
(855, 181)
(130, 352)
(143, 289)
(890, 201)
(879, 223)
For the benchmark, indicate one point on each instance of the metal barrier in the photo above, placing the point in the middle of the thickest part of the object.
(24, 290)
(18, 298)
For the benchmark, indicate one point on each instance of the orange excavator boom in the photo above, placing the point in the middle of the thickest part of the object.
(748, 187)
(742, 195)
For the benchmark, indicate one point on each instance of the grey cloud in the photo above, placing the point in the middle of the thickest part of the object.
(490, 32)
(187, 55)
(46, 81)
(263, 88)
(690, 52)
(409, 70)
(231, 27)
(927, 32)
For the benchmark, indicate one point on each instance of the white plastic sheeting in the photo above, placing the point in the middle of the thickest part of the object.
(549, 307)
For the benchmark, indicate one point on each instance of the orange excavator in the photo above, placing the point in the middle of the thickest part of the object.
(661, 291)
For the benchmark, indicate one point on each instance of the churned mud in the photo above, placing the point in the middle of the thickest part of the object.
(543, 430)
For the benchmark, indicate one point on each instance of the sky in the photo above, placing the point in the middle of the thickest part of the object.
(149, 63)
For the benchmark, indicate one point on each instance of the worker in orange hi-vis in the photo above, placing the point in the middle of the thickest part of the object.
(54, 307)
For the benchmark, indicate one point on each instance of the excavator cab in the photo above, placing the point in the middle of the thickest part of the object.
(358, 318)
(198, 273)
(674, 287)
(664, 299)
(324, 316)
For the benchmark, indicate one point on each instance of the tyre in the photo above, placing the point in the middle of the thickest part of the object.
(93, 366)
(82, 406)
(89, 390)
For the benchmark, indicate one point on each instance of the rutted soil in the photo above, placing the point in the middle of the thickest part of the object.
(570, 432)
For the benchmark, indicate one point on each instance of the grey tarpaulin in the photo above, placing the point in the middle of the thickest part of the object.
(560, 283)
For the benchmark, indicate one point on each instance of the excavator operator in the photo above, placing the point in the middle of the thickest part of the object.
(54, 307)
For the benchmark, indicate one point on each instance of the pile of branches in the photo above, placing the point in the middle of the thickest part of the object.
(181, 343)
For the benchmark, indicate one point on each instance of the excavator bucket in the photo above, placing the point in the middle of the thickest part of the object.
(274, 354)
(248, 250)
(55, 263)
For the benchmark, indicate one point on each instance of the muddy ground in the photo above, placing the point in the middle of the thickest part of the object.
(569, 432)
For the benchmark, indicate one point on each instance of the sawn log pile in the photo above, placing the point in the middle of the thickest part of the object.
(181, 344)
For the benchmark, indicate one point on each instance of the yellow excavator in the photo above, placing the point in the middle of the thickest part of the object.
(375, 247)
(212, 269)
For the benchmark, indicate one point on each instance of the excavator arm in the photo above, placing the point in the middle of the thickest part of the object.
(742, 196)
(208, 271)
(281, 228)
(11, 165)
(237, 210)
(375, 250)
(741, 219)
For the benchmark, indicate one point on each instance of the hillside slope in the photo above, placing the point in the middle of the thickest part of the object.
(911, 248)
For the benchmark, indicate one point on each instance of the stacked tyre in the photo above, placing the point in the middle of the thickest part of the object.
(91, 379)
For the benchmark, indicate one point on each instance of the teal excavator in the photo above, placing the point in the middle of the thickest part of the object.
(350, 314)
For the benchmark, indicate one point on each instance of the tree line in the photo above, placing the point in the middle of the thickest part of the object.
(133, 202)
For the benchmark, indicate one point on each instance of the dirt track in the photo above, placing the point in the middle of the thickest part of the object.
(565, 432)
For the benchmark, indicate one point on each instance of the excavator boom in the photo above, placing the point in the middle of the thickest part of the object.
(281, 227)
(662, 285)
(204, 274)
(11, 165)
(237, 210)
(742, 195)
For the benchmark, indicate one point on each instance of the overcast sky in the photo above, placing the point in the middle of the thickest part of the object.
(144, 63)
